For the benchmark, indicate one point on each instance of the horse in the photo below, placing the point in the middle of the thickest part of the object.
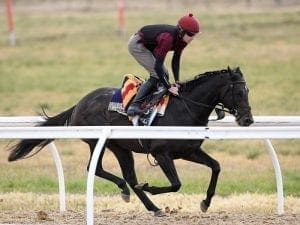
(192, 107)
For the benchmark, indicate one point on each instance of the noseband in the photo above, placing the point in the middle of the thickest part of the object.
(235, 110)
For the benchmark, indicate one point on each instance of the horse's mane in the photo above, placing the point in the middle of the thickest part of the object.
(200, 78)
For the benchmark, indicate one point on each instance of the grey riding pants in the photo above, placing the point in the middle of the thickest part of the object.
(143, 56)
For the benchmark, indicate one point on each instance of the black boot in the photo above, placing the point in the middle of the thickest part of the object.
(134, 107)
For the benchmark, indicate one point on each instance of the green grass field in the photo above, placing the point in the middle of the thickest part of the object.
(61, 56)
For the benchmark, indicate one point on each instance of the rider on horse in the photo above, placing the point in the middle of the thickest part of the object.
(150, 45)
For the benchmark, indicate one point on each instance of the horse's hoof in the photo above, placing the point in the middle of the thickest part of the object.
(125, 197)
(203, 206)
(159, 213)
(141, 186)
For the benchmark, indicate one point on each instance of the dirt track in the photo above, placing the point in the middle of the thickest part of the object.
(174, 217)
(180, 209)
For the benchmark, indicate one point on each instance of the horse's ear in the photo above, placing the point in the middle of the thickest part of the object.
(229, 69)
(238, 71)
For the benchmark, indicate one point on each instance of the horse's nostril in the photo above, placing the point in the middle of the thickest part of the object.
(249, 121)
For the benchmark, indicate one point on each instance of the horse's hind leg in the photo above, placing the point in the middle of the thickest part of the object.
(166, 163)
(100, 172)
(199, 156)
(126, 162)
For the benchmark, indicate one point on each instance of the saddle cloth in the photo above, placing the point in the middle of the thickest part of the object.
(124, 95)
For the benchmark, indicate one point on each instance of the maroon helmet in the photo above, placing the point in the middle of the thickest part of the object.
(189, 24)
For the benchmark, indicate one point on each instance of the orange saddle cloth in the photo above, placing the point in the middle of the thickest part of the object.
(123, 96)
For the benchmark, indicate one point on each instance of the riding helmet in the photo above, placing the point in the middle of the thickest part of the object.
(189, 24)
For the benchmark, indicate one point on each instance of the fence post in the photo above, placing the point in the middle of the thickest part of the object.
(276, 165)
(91, 176)
(61, 179)
(121, 17)
(10, 23)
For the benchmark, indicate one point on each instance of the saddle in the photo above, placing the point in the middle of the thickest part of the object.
(154, 104)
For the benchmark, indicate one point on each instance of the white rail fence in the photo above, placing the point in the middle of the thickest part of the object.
(265, 127)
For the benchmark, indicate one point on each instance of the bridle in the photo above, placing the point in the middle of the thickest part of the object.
(234, 111)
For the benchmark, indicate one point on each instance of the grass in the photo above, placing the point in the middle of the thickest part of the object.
(60, 52)
(61, 56)
(239, 173)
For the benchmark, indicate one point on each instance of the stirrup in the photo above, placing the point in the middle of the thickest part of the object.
(135, 120)
(134, 111)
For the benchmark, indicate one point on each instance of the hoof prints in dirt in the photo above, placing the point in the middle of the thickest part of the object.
(173, 216)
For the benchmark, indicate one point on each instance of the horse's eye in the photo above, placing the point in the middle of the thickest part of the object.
(240, 93)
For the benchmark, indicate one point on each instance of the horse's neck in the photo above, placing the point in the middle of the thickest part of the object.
(206, 93)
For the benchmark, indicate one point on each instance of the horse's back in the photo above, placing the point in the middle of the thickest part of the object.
(91, 110)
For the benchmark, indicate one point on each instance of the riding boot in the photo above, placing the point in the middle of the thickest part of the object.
(134, 107)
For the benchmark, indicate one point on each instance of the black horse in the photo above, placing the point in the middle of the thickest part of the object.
(198, 97)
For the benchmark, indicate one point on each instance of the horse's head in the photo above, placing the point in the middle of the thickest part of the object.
(234, 96)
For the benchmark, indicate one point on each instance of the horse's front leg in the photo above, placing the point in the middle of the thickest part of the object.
(199, 156)
(126, 161)
(166, 163)
(100, 172)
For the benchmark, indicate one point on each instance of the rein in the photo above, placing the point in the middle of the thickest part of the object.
(203, 105)
(233, 111)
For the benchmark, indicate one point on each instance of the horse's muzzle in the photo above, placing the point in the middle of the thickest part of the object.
(245, 120)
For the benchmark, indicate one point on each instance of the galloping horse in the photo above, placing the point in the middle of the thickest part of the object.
(198, 97)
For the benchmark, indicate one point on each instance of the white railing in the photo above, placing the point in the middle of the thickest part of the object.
(26, 121)
(268, 127)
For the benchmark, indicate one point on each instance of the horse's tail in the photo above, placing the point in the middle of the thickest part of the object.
(24, 147)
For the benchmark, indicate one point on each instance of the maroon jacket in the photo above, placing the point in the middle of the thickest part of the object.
(160, 39)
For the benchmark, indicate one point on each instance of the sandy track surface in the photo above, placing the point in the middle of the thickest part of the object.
(174, 217)
(252, 209)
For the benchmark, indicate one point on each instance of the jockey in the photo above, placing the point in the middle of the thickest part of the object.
(150, 45)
